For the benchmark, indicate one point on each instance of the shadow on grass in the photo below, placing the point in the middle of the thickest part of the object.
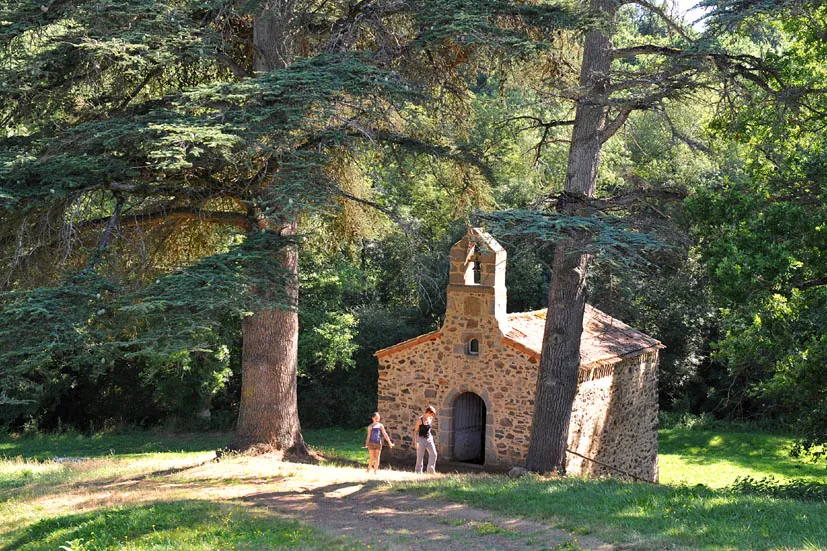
(649, 516)
(170, 525)
(340, 443)
(12, 481)
(758, 451)
(54, 481)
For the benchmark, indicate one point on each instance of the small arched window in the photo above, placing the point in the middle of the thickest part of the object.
(473, 347)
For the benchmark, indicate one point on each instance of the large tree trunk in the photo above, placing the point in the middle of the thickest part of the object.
(559, 363)
(274, 35)
(269, 414)
(560, 360)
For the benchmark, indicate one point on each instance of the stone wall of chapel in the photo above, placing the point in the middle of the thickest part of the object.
(615, 420)
(437, 371)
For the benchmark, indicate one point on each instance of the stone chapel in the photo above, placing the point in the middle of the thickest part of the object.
(479, 370)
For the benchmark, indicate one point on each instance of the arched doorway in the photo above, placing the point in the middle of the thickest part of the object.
(469, 428)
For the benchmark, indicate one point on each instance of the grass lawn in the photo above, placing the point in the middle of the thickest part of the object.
(36, 473)
(191, 525)
(716, 458)
(343, 443)
(44, 458)
(650, 516)
(690, 508)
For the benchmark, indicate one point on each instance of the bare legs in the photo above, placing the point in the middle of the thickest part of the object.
(373, 462)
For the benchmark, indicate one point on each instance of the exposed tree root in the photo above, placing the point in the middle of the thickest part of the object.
(298, 453)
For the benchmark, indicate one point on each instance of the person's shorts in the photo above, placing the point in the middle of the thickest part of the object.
(374, 445)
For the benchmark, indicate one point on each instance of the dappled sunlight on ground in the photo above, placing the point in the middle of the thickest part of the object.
(471, 512)
(337, 499)
(716, 458)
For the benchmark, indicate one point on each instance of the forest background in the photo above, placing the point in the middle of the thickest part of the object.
(128, 259)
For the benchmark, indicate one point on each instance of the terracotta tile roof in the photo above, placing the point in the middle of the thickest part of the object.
(605, 339)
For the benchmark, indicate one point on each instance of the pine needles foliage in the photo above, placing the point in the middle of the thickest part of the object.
(145, 166)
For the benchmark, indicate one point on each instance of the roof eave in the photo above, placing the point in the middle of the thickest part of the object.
(432, 336)
(617, 358)
(517, 345)
(609, 360)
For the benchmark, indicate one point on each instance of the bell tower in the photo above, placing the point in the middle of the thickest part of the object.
(476, 286)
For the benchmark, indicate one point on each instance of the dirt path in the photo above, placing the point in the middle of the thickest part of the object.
(342, 501)
(346, 501)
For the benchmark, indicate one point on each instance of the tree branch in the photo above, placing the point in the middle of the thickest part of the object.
(818, 282)
(664, 16)
(237, 219)
(140, 86)
(560, 201)
(148, 190)
(645, 49)
(390, 213)
(538, 122)
(237, 70)
(726, 63)
(428, 148)
(113, 220)
(693, 144)
(634, 196)
(345, 31)
(610, 128)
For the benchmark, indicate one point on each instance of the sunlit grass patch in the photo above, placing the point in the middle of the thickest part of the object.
(129, 480)
(489, 528)
(55, 487)
(453, 521)
(18, 472)
(47, 476)
(646, 515)
(187, 525)
(338, 443)
(117, 473)
(345, 444)
(716, 458)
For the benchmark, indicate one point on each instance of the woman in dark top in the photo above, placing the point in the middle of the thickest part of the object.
(424, 440)
(373, 441)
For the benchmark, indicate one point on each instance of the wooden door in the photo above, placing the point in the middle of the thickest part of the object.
(469, 428)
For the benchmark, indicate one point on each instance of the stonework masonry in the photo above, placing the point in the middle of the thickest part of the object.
(614, 418)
